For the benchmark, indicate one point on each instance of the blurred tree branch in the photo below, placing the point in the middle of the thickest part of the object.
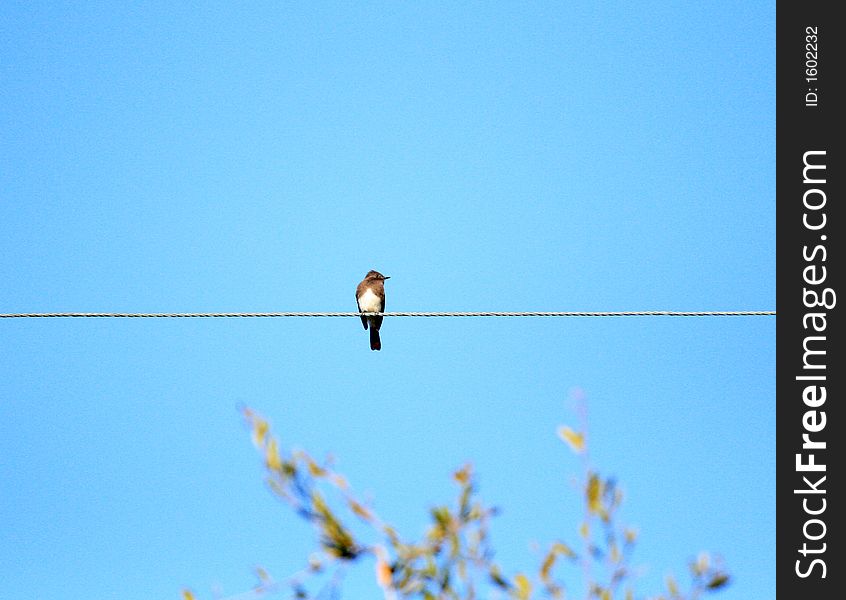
(454, 560)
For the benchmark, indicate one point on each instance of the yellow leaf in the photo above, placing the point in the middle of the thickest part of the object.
(260, 428)
(584, 530)
(187, 595)
(524, 586)
(564, 549)
(594, 494)
(462, 476)
(631, 535)
(320, 506)
(547, 565)
(315, 469)
(360, 510)
(272, 456)
(557, 549)
(576, 440)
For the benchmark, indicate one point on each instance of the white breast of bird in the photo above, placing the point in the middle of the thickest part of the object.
(369, 302)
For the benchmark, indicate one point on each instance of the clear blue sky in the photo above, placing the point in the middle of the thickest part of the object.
(555, 156)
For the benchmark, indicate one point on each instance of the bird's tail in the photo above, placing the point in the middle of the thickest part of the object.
(375, 342)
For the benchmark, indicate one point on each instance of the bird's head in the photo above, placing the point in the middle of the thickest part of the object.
(375, 275)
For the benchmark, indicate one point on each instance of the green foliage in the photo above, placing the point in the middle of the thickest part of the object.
(453, 560)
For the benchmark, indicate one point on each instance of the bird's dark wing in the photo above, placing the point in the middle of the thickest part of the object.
(377, 321)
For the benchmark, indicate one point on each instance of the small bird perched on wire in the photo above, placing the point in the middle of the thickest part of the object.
(370, 297)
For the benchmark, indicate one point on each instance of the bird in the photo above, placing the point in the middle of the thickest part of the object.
(370, 297)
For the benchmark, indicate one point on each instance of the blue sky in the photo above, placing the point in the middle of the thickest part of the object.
(556, 156)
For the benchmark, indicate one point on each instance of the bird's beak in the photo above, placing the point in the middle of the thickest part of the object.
(387, 277)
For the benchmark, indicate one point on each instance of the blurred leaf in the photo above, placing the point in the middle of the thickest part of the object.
(339, 481)
(384, 575)
(359, 510)
(703, 561)
(315, 469)
(718, 581)
(524, 587)
(564, 549)
(556, 592)
(187, 595)
(546, 566)
(614, 553)
(391, 534)
(464, 512)
(315, 565)
(463, 474)
(557, 549)
(335, 538)
(272, 456)
(584, 530)
(497, 578)
(594, 494)
(263, 576)
(260, 428)
(574, 439)
(672, 587)
(442, 516)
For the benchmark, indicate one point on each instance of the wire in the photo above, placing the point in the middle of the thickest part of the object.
(209, 315)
